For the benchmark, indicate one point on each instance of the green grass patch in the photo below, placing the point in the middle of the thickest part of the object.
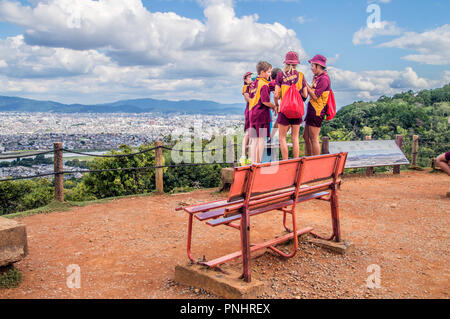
(56, 206)
(10, 277)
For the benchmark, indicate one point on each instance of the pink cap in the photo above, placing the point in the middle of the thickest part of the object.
(292, 58)
(320, 60)
(247, 74)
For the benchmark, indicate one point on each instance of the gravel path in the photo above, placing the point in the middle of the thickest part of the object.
(128, 248)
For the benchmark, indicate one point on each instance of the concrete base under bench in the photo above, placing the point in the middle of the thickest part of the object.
(227, 286)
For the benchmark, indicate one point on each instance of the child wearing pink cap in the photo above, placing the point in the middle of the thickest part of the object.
(284, 80)
(319, 92)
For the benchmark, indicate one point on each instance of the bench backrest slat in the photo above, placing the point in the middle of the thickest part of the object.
(318, 168)
(275, 177)
(267, 178)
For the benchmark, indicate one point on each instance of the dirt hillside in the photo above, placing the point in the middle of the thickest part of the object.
(128, 248)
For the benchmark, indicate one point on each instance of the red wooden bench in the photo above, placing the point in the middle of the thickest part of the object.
(261, 188)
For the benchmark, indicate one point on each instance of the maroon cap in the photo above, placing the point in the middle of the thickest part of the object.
(320, 60)
(247, 74)
(291, 58)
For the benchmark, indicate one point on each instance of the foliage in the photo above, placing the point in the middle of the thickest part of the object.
(28, 162)
(120, 182)
(10, 278)
(425, 114)
(77, 163)
(24, 195)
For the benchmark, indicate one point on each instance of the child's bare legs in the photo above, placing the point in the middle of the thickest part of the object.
(443, 164)
(252, 149)
(260, 148)
(245, 143)
(295, 144)
(283, 144)
(306, 137)
(314, 140)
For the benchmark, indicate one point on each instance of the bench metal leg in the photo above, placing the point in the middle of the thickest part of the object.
(294, 232)
(245, 245)
(189, 238)
(335, 216)
(334, 203)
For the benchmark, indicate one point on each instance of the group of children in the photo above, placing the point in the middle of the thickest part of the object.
(258, 120)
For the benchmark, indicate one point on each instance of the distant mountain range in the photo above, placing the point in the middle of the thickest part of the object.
(17, 104)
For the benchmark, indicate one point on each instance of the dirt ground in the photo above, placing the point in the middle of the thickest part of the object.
(128, 248)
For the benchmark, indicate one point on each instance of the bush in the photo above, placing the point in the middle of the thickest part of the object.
(10, 277)
(24, 195)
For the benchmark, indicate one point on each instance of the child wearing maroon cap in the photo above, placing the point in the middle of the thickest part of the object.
(284, 80)
(318, 93)
(246, 93)
(259, 107)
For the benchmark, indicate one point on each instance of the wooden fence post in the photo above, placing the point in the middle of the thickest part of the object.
(369, 170)
(58, 169)
(399, 142)
(325, 145)
(415, 151)
(159, 178)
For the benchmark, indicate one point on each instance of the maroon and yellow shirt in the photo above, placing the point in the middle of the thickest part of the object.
(285, 79)
(259, 93)
(321, 86)
(246, 89)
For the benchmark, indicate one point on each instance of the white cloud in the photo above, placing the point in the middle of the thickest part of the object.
(368, 85)
(19, 60)
(366, 34)
(130, 34)
(304, 19)
(139, 49)
(433, 46)
(84, 51)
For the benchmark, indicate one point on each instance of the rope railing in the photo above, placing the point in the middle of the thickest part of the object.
(14, 156)
(59, 150)
(59, 172)
(114, 170)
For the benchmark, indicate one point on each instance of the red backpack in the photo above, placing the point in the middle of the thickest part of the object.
(292, 104)
(331, 107)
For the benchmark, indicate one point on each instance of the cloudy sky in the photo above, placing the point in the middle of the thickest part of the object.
(86, 51)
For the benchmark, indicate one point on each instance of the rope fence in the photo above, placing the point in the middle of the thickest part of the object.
(58, 151)
(58, 172)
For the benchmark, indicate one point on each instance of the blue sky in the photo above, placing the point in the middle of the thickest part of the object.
(84, 51)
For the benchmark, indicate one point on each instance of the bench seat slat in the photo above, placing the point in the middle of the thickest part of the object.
(211, 214)
(221, 221)
(205, 206)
